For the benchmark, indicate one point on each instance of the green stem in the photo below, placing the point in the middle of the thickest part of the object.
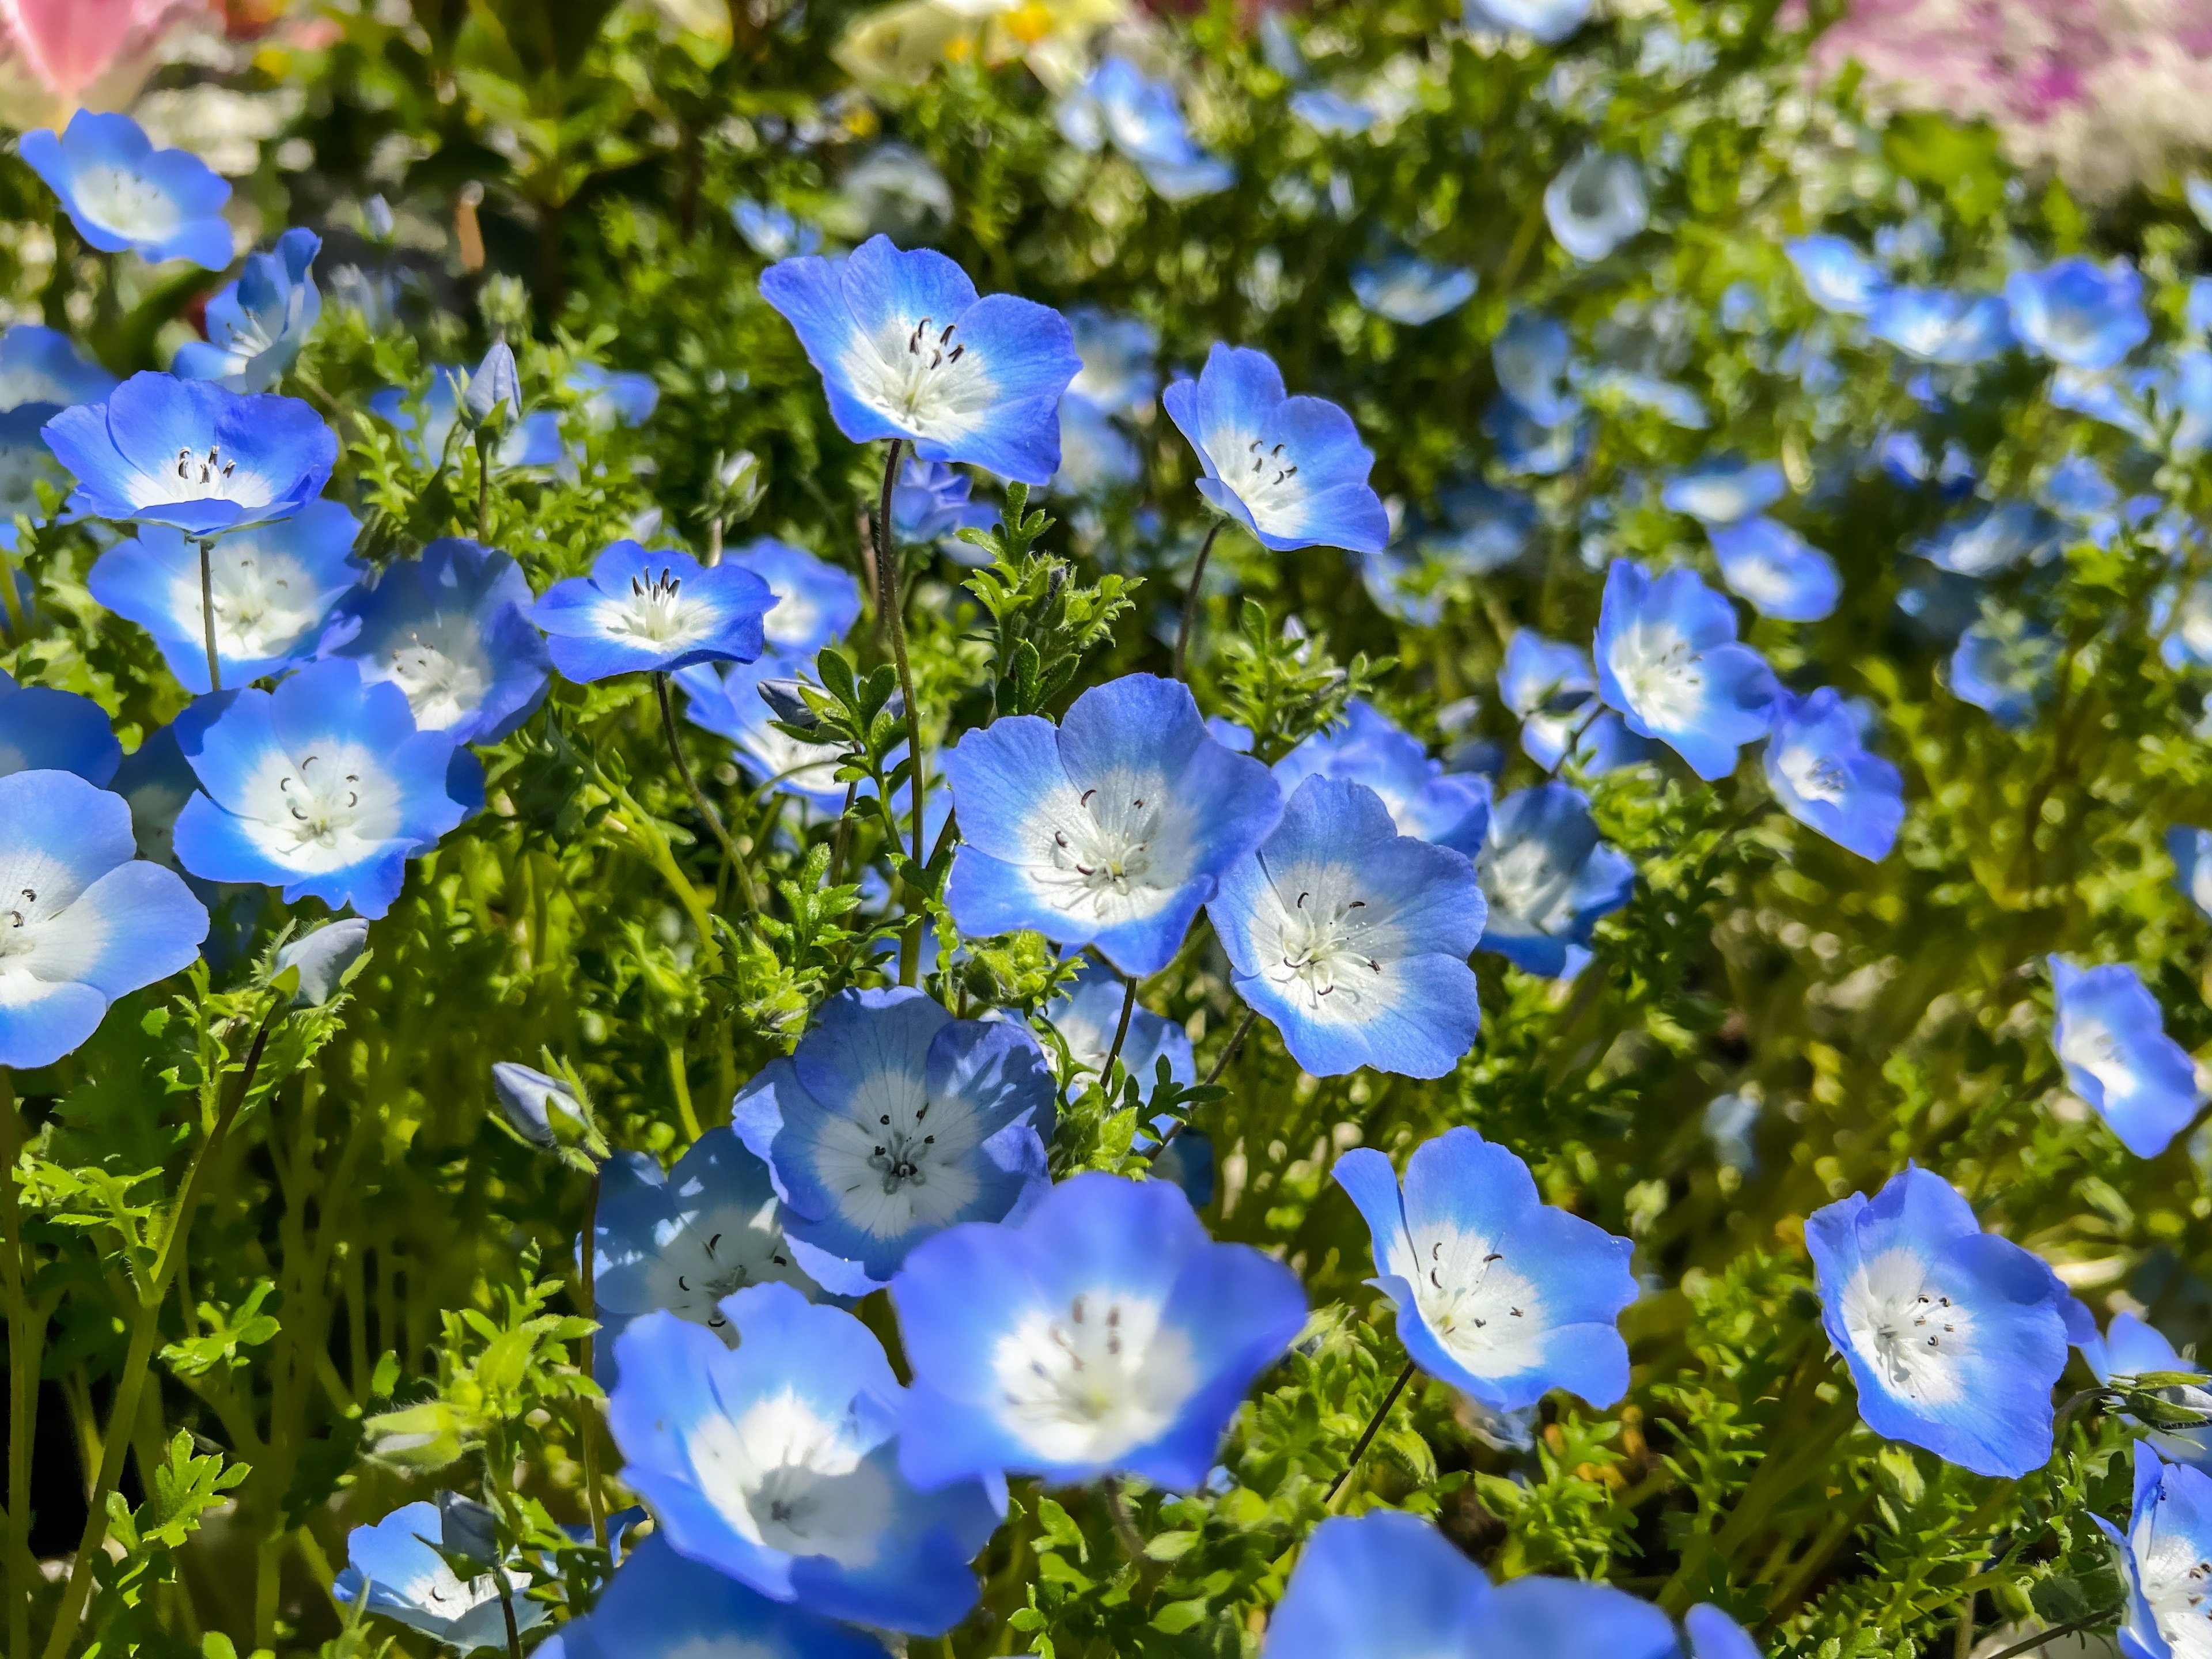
(1190, 599)
(11, 602)
(484, 490)
(25, 1340)
(1367, 1434)
(1235, 1043)
(894, 613)
(587, 1297)
(207, 611)
(705, 811)
(1121, 1033)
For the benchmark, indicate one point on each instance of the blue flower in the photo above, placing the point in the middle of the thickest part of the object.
(1954, 1336)
(930, 504)
(2164, 1558)
(1838, 277)
(394, 1568)
(1906, 459)
(1553, 689)
(1110, 830)
(84, 920)
(1331, 113)
(1530, 449)
(273, 587)
(2110, 1038)
(1667, 659)
(324, 786)
(1596, 203)
(642, 612)
(194, 454)
(2004, 665)
(2190, 849)
(1548, 879)
(256, 325)
(43, 366)
(534, 439)
(121, 192)
(2079, 312)
(907, 350)
(453, 630)
(662, 1606)
(1725, 489)
(43, 730)
(1408, 289)
(1451, 809)
(2131, 1347)
(1549, 21)
(614, 396)
(1104, 1333)
(1086, 1017)
(1354, 938)
(892, 1121)
(1497, 1293)
(1992, 540)
(1820, 770)
(1291, 470)
(1481, 529)
(777, 1463)
(725, 699)
(771, 232)
(1096, 455)
(684, 1240)
(1118, 374)
(1938, 326)
(816, 603)
(1120, 105)
(1672, 403)
(1780, 572)
(1534, 360)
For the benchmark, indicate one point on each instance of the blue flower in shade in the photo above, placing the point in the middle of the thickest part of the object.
(85, 921)
(1726, 490)
(256, 325)
(1086, 1018)
(1354, 938)
(771, 232)
(1990, 539)
(194, 454)
(1534, 360)
(907, 350)
(2131, 1347)
(1672, 403)
(1549, 21)
(1549, 879)
(725, 700)
(1780, 572)
(1408, 289)
(453, 630)
(1668, 660)
(640, 612)
(1119, 375)
(394, 1568)
(930, 504)
(1596, 203)
(1938, 326)
(1291, 470)
(1096, 455)
(2110, 1038)
(1552, 689)
(428, 429)
(44, 366)
(1480, 529)
(1497, 1293)
(662, 1606)
(274, 586)
(684, 1240)
(1905, 459)
(1836, 275)
(1111, 830)
(2079, 312)
(777, 1462)
(324, 786)
(1451, 809)
(2004, 665)
(2190, 850)
(1331, 113)
(816, 603)
(892, 1121)
(43, 730)
(1529, 449)
(1820, 769)
(2166, 1556)
(1104, 1333)
(121, 192)
(1122, 106)
(614, 396)
(1954, 1336)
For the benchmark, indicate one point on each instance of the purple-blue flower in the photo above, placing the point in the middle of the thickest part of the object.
(2110, 1036)
(1668, 660)
(256, 325)
(121, 192)
(1549, 879)
(2079, 314)
(43, 730)
(1451, 809)
(1820, 770)
(640, 611)
(1780, 572)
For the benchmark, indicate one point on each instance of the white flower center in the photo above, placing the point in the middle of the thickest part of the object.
(896, 1160)
(2088, 1044)
(792, 621)
(698, 1271)
(1092, 1383)
(1523, 879)
(127, 204)
(2174, 1580)
(1913, 1334)
(1663, 679)
(208, 476)
(656, 612)
(1813, 775)
(263, 601)
(1100, 859)
(441, 666)
(788, 1479)
(1323, 949)
(1482, 1308)
(328, 811)
(923, 376)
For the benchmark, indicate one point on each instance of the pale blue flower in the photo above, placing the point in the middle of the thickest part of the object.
(1725, 489)
(930, 504)
(1533, 359)
(1672, 403)
(817, 603)
(614, 396)
(2079, 312)
(1481, 529)
(1086, 1017)
(662, 1606)
(1838, 277)
(1331, 113)
(2004, 665)
(1119, 373)
(531, 440)
(1451, 809)
(724, 698)
(771, 231)
(640, 611)
(1552, 689)
(121, 192)
(44, 730)
(2110, 1036)
(1820, 770)
(1549, 880)
(2166, 1556)
(1548, 20)
(1780, 572)
(1990, 539)
(2132, 1347)
(395, 1568)
(1669, 661)
(1528, 448)
(1096, 455)
(1938, 326)
(1140, 115)
(256, 327)
(2191, 851)
(1596, 203)
(44, 366)
(1408, 289)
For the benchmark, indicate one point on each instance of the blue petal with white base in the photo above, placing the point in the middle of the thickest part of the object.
(1331, 113)
(394, 1568)
(1086, 1017)
(1954, 1336)
(1498, 1294)
(725, 699)
(2191, 852)
(43, 730)
(1992, 540)
(930, 503)
(1549, 880)
(1353, 939)
(1595, 203)
(614, 396)
(1553, 689)
(428, 427)
(1548, 20)
(1118, 373)
(121, 192)
(1451, 809)
(256, 327)
(1534, 360)
(2165, 1557)
(1725, 489)
(2110, 1037)
(1820, 770)
(1406, 288)
(1668, 660)
(2131, 1347)
(43, 366)
(652, 612)
(1837, 277)
(1105, 1334)
(2078, 312)
(1781, 573)
(771, 231)
(1291, 470)
(1120, 105)
(1938, 326)
(2004, 665)
(1111, 830)
(816, 603)
(1381, 1586)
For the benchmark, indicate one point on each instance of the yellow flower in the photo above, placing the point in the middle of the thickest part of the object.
(901, 45)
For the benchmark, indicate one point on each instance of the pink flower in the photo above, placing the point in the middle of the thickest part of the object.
(70, 47)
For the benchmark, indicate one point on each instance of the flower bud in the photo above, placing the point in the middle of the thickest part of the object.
(544, 1111)
(496, 386)
(323, 958)
(785, 702)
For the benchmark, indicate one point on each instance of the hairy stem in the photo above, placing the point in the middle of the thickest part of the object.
(1367, 1434)
(894, 615)
(1120, 1032)
(207, 611)
(705, 811)
(1190, 599)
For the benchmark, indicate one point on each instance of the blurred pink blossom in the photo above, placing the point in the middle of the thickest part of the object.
(91, 52)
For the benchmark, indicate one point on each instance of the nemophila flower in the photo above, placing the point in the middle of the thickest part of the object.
(1534, 360)
(44, 366)
(194, 454)
(1954, 1336)
(1938, 326)
(684, 1239)
(1780, 572)
(660, 1604)
(2190, 850)
(1408, 289)
(1528, 448)
(1906, 458)
(1725, 489)
(930, 504)
(43, 730)
(1451, 809)
(771, 231)
(1291, 470)
(453, 630)
(892, 1121)
(428, 429)
(83, 920)
(1548, 879)
(120, 192)
(1595, 203)
(2110, 1037)
(1990, 539)
(1383, 1584)
(906, 349)
(1354, 938)
(2004, 665)
(641, 612)
(1549, 21)
(256, 325)
(1836, 275)
(816, 603)
(1086, 1017)
(1552, 689)
(273, 587)
(2079, 312)
(1820, 770)
(1111, 830)
(394, 1568)
(725, 699)
(1479, 530)
(1119, 375)
(1729, 1122)
(1096, 455)
(1104, 1333)
(1122, 106)
(324, 788)
(546, 1111)
(778, 1463)
(1497, 1293)
(322, 957)
(1668, 660)
(1331, 113)
(614, 396)
(2165, 1559)
(1671, 401)
(2131, 1348)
